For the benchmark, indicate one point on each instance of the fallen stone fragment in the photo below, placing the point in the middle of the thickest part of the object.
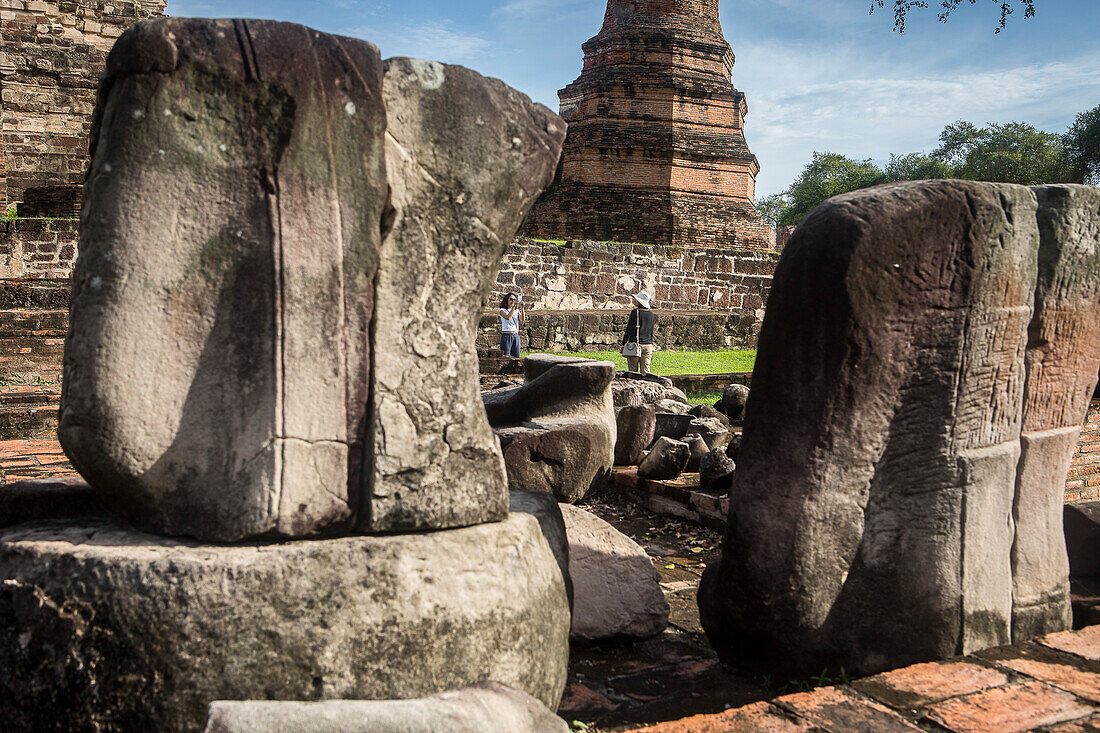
(672, 406)
(558, 429)
(669, 425)
(698, 447)
(137, 632)
(716, 471)
(667, 459)
(1082, 532)
(734, 447)
(734, 399)
(544, 507)
(466, 156)
(634, 426)
(566, 459)
(712, 430)
(51, 498)
(708, 411)
(1063, 356)
(617, 591)
(874, 487)
(485, 706)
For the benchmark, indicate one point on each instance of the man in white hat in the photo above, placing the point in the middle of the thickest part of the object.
(638, 338)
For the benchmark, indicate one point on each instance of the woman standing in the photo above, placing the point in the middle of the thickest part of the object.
(511, 313)
(638, 339)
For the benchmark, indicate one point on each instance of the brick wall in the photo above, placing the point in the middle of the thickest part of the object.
(1084, 471)
(32, 343)
(603, 330)
(38, 248)
(51, 56)
(603, 275)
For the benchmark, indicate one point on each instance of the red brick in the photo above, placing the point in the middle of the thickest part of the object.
(836, 708)
(1010, 709)
(760, 717)
(1084, 643)
(923, 684)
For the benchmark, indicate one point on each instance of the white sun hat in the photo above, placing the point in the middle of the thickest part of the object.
(642, 298)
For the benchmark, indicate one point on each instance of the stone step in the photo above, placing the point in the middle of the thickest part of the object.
(29, 411)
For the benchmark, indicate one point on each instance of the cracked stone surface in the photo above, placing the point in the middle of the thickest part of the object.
(138, 632)
(1063, 357)
(872, 526)
(466, 156)
(280, 272)
(215, 370)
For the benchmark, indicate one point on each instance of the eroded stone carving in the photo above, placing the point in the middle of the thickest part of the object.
(236, 307)
(871, 512)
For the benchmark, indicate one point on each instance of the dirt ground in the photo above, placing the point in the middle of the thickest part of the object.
(617, 686)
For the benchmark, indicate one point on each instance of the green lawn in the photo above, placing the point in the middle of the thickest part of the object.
(683, 362)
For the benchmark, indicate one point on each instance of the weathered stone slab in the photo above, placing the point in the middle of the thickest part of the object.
(617, 591)
(871, 509)
(215, 371)
(137, 632)
(634, 426)
(1063, 357)
(485, 706)
(667, 459)
(465, 158)
(52, 498)
(566, 458)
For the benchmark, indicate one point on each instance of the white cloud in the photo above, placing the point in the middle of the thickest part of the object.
(801, 100)
(429, 41)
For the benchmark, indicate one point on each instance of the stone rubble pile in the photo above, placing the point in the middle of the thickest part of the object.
(284, 245)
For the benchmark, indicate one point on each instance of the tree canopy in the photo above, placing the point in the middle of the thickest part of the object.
(1015, 152)
(1082, 142)
(902, 8)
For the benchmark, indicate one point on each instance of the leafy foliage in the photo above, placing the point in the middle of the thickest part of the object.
(1011, 153)
(1014, 152)
(902, 8)
(1082, 143)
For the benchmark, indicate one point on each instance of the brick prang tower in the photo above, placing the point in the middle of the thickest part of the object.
(656, 151)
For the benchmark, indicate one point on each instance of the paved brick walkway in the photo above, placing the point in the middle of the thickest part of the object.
(26, 459)
(1052, 684)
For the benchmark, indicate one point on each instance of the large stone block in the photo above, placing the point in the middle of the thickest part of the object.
(106, 628)
(465, 156)
(273, 309)
(486, 706)
(617, 591)
(216, 368)
(558, 428)
(1063, 356)
(871, 510)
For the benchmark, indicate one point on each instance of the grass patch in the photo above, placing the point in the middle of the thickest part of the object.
(668, 363)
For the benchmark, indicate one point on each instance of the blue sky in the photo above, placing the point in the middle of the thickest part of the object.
(819, 74)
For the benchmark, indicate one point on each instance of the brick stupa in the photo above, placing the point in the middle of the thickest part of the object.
(656, 151)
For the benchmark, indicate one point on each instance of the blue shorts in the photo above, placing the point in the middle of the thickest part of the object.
(509, 344)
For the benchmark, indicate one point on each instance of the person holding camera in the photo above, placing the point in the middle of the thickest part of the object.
(511, 314)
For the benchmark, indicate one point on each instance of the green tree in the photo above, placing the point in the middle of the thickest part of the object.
(1014, 152)
(1082, 144)
(902, 8)
(771, 208)
(917, 167)
(827, 175)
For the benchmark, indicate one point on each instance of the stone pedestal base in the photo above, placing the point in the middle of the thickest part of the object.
(106, 628)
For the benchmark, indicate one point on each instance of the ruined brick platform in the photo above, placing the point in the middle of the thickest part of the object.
(680, 497)
(32, 459)
(1051, 684)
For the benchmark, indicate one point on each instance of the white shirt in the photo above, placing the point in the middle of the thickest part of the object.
(509, 325)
